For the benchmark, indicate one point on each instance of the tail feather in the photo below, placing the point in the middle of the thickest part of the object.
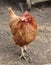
(12, 15)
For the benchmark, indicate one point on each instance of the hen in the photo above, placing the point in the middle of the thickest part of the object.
(24, 29)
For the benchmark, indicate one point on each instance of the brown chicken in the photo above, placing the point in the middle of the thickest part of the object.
(24, 29)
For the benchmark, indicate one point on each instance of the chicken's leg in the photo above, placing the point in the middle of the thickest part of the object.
(25, 48)
(22, 53)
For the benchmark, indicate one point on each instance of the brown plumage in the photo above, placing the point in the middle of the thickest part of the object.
(24, 29)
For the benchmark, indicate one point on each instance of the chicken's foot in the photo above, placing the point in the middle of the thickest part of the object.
(22, 54)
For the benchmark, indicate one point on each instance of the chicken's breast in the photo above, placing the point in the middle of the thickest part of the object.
(24, 35)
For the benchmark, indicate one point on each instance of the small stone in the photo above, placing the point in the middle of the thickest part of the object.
(30, 60)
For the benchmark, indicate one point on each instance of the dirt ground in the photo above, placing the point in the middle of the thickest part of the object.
(39, 51)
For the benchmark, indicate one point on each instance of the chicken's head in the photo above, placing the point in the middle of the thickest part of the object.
(27, 17)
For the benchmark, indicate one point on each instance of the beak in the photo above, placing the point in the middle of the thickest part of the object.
(23, 19)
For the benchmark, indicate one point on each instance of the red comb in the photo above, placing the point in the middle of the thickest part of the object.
(25, 14)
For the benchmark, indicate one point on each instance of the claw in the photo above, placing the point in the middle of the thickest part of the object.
(22, 54)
